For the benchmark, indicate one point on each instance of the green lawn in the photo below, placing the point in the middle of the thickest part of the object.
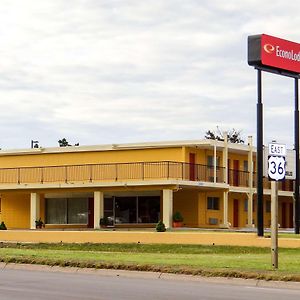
(189, 259)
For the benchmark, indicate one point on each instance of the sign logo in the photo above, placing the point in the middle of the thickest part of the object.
(269, 48)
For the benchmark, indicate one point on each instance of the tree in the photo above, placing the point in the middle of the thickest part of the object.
(233, 135)
(63, 143)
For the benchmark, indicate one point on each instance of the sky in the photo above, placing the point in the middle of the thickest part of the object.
(112, 71)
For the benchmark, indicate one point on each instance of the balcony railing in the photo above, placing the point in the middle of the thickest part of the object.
(111, 172)
(128, 171)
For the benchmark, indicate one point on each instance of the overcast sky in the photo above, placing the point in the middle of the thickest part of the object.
(109, 71)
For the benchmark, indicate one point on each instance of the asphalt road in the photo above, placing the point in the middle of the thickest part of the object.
(31, 284)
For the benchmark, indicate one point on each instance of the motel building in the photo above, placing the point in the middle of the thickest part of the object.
(211, 183)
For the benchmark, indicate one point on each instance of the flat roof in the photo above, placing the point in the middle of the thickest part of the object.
(201, 144)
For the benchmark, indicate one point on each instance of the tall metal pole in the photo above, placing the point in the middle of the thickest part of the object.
(296, 132)
(260, 208)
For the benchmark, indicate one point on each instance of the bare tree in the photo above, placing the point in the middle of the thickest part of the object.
(233, 135)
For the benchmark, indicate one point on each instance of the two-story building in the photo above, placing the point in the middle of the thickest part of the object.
(211, 183)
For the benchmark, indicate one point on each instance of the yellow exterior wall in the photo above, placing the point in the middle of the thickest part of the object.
(186, 202)
(240, 158)
(93, 157)
(144, 237)
(205, 214)
(15, 210)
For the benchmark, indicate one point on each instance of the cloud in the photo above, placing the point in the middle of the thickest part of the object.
(125, 71)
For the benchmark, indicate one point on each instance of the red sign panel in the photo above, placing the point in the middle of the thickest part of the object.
(269, 51)
(280, 53)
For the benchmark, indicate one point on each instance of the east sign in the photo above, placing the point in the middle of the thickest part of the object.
(269, 51)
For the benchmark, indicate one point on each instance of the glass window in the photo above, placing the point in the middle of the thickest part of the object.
(246, 165)
(148, 209)
(109, 209)
(210, 161)
(125, 210)
(213, 203)
(138, 209)
(56, 211)
(67, 211)
(77, 211)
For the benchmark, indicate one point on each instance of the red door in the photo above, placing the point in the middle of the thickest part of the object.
(235, 213)
(291, 208)
(283, 215)
(91, 213)
(192, 166)
(236, 167)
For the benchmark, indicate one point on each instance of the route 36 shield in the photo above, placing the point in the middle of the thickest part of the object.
(276, 167)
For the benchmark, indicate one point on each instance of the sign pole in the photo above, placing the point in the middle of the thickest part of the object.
(274, 224)
(297, 181)
(259, 116)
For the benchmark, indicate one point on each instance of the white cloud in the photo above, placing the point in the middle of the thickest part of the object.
(122, 71)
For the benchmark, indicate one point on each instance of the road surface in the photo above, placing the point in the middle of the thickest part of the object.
(33, 284)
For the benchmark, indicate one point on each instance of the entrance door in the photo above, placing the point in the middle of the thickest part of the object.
(236, 167)
(291, 208)
(192, 166)
(235, 213)
(91, 213)
(283, 215)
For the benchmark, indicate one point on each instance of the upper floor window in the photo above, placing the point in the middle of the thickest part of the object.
(210, 161)
(246, 169)
(213, 203)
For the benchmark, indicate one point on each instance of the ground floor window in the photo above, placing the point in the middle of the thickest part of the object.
(213, 203)
(67, 211)
(132, 210)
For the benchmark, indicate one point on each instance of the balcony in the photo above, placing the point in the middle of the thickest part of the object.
(138, 171)
(110, 172)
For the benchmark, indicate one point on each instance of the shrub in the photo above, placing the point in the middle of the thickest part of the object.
(160, 227)
(39, 223)
(3, 226)
(177, 217)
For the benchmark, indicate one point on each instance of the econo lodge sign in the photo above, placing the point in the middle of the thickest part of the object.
(273, 52)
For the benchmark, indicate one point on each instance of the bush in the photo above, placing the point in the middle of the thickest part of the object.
(177, 217)
(160, 227)
(3, 226)
(39, 223)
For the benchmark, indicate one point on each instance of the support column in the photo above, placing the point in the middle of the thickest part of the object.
(225, 211)
(215, 162)
(225, 157)
(250, 194)
(98, 208)
(167, 208)
(34, 209)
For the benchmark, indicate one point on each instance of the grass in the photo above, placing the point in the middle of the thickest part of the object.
(245, 262)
